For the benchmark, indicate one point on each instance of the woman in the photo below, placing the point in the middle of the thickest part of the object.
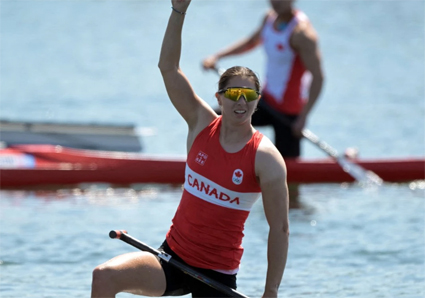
(229, 164)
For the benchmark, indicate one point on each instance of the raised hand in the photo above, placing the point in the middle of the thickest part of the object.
(180, 5)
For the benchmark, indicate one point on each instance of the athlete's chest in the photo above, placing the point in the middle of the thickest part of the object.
(228, 170)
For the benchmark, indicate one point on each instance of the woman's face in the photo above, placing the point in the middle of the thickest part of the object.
(241, 109)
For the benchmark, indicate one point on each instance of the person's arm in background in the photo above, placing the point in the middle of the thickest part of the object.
(240, 47)
(304, 40)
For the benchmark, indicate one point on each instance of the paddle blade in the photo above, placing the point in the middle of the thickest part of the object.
(363, 176)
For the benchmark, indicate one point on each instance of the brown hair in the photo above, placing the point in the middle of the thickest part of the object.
(236, 71)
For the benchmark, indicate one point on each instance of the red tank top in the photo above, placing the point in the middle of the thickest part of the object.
(287, 81)
(219, 191)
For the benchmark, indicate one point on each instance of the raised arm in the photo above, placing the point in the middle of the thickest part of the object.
(271, 170)
(191, 107)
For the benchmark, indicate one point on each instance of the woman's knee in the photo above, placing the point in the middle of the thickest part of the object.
(103, 279)
(139, 273)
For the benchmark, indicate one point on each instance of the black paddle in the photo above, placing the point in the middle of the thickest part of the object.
(122, 235)
(363, 176)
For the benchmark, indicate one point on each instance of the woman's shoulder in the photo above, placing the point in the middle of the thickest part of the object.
(209, 120)
(270, 16)
(267, 152)
(269, 163)
(266, 144)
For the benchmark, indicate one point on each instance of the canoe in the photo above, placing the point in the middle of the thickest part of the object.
(48, 165)
(93, 136)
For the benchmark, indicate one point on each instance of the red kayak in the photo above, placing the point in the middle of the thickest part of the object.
(48, 165)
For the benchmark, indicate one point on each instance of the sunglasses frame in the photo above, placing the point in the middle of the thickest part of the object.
(240, 95)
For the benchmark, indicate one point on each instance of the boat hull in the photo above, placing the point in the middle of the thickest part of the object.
(43, 165)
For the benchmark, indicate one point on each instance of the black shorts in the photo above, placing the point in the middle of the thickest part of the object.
(284, 140)
(179, 283)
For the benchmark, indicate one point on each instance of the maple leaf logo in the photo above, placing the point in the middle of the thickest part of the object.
(237, 177)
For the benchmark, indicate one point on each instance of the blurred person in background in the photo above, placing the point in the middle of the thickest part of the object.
(293, 74)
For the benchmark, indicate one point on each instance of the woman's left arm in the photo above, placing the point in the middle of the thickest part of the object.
(271, 171)
(306, 43)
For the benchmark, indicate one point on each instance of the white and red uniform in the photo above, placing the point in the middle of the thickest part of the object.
(219, 191)
(286, 80)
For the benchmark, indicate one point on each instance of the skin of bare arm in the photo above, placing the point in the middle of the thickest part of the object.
(196, 112)
(271, 171)
(242, 46)
(304, 41)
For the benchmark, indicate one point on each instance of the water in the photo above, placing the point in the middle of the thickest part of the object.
(96, 61)
(345, 242)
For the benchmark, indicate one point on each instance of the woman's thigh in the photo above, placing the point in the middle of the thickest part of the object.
(138, 273)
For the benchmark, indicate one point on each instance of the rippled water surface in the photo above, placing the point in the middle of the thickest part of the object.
(345, 241)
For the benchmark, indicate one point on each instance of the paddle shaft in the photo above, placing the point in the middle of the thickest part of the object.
(122, 235)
